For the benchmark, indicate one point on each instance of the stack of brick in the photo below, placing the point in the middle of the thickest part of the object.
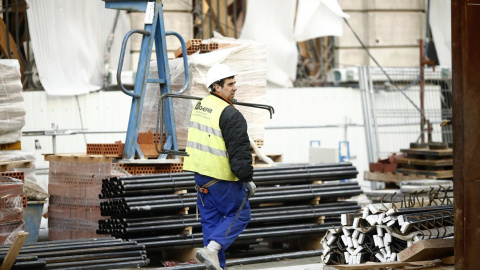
(11, 207)
(201, 46)
(388, 165)
(75, 182)
(73, 210)
(146, 142)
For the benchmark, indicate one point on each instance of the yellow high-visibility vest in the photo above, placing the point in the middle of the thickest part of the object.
(205, 144)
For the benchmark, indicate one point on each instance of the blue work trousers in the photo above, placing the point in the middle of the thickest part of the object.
(218, 209)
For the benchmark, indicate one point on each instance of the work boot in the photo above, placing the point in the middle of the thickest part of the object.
(209, 258)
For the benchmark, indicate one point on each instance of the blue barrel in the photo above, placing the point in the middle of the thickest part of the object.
(32, 215)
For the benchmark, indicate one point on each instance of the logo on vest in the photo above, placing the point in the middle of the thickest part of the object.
(201, 108)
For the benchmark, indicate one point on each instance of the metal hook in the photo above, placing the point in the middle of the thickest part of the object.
(421, 225)
(446, 195)
(433, 223)
(418, 194)
(381, 201)
(441, 224)
(394, 207)
(410, 204)
(423, 235)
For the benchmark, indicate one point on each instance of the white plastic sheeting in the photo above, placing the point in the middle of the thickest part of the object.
(69, 41)
(12, 109)
(248, 61)
(441, 25)
(318, 19)
(272, 22)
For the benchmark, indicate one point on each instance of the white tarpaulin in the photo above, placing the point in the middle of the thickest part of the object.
(441, 25)
(318, 18)
(69, 41)
(272, 22)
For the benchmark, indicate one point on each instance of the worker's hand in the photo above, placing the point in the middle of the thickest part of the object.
(251, 187)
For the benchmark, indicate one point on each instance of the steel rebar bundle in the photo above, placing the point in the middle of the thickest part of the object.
(249, 235)
(128, 227)
(95, 253)
(290, 202)
(381, 231)
(170, 202)
(164, 183)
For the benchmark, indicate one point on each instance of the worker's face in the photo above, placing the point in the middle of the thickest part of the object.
(228, 90)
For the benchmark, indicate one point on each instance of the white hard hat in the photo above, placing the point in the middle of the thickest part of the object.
(218, 72)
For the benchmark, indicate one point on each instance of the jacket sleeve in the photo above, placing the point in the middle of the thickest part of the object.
(234, 131)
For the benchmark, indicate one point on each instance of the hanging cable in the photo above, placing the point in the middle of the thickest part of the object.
(383, 70)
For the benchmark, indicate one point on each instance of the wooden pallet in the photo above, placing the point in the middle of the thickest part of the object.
(428, 152)
(78, 158)
(11, 146)
(274, 157)
(436, 174)
(8, 165)
(390, 177)
(426, 162)
(435, 264)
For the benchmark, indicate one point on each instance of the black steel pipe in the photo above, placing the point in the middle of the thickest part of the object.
(103, 266)
(247, 234)
(64, 265)
(96, 256)
(255, 212)
(256, 170)
(37, 264)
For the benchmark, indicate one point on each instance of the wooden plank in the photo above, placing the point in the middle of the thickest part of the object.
(78, 158)
(466, 127)
(438, 174)
(11, 146)
(428, 152)
(385, 265)
(390, 177)
(274, 157)
(425, 162)
(428, 250)
(14, 250)
(8, 165)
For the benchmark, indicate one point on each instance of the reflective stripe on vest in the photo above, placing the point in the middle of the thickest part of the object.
(205, 145)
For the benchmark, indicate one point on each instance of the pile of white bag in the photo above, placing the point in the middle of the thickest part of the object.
(12, 110)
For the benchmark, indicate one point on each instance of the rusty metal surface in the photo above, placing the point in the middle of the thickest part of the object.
(466, 128)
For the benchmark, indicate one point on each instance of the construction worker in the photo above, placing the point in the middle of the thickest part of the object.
(219, 154)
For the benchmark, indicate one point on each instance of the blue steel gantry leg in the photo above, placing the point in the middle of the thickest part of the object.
(153, 31)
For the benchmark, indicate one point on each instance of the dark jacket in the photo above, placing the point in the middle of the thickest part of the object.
(234, 131)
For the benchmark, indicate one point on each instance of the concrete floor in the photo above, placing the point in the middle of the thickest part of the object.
(311, 263)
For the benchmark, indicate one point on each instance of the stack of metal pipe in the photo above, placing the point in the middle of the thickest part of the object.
(125, 227)
(288, 203)
(380, 231)
(101, 253)
(138, 185)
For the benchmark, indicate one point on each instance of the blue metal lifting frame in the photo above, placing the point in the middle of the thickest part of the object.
(154, 31)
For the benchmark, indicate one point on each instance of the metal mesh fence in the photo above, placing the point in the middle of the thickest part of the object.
(393, 108)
